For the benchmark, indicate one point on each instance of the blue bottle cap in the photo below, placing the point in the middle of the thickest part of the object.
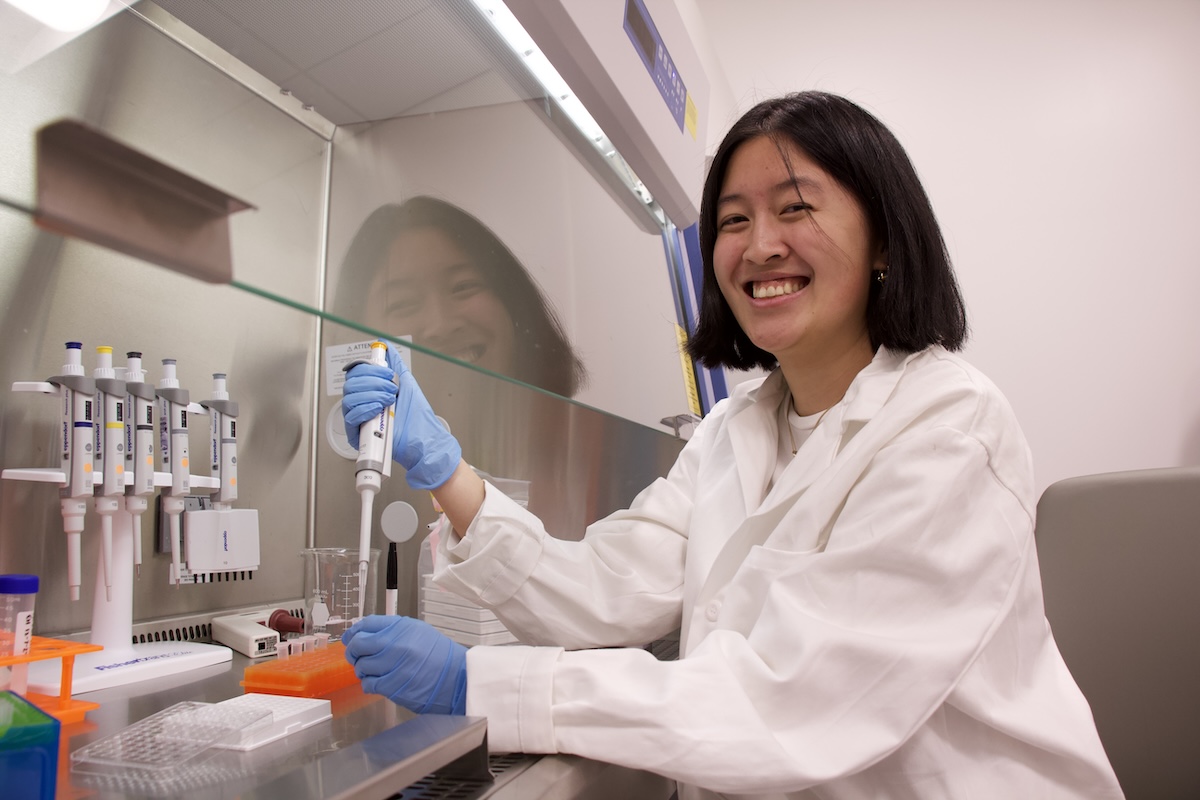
(18, 584)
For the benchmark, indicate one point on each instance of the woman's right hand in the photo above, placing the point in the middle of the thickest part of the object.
(420, 442)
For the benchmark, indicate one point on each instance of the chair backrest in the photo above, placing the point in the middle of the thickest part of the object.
(1120, 564)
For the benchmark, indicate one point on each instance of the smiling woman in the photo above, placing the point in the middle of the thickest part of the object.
(432, 271)
(845, 545)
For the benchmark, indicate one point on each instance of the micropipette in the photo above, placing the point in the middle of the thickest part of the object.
(77, 393)
(109, 454)
(173, 439)
(139, 448)
(222, 414)
(373, 465)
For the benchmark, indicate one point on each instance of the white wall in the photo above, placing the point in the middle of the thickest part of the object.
(1060, 143)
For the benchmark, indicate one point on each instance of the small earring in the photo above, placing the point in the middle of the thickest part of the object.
(881, 276)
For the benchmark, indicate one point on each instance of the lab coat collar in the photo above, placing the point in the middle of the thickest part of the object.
(754, 429)
(866, 394)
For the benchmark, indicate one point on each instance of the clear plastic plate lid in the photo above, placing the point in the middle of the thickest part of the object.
(168, 751)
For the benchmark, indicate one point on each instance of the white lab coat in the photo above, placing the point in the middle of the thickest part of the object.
(872, 627)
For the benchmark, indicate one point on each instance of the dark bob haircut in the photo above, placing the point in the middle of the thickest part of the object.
(544, 356)
(919, 304)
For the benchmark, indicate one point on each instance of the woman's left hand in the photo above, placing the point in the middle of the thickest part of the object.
(410, 662)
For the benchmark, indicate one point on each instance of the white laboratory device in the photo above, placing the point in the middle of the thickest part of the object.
(247, 632)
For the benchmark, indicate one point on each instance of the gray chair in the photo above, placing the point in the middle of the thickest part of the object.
(1120, 563)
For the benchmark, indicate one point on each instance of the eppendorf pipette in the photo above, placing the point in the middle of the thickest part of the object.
(77, 393)
(373, 465)
(109, 455)
(173, 438)
(139, 448)
(222, 414)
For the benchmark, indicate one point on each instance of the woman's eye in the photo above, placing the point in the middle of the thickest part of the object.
(403, 308)
(733, 220)
(796, 208)
(464, 289)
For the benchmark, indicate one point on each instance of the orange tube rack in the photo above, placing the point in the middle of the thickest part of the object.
(312, 674)
(61, 707)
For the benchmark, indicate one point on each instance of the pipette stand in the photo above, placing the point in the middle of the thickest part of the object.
(121, 662)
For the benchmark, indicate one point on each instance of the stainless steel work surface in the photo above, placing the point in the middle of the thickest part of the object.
(370, 748)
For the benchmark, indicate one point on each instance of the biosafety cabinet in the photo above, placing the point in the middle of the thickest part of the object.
(226, 185)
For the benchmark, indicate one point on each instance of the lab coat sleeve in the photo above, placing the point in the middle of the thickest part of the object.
(818, 663)
(620, 585)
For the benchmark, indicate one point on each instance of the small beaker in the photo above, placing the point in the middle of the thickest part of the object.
(333, 591)
(17, 593)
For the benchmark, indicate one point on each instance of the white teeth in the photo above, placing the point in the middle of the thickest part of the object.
(775, 289)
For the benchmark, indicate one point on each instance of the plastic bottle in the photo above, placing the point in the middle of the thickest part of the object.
(17, 593)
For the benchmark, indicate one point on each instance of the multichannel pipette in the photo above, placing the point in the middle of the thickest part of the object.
(78, 398)
(139, 448)
(173, 439)
(109, 455)
(373, 465)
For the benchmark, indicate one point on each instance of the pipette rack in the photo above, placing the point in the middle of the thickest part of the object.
(61, 707)
(310, 674)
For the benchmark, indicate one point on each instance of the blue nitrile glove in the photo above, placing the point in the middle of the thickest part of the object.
(420, 443)
(410, 662)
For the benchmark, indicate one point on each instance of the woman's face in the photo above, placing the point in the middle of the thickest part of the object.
(431, 291)
(794, 266)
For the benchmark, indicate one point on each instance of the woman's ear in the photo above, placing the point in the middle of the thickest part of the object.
(881, 259)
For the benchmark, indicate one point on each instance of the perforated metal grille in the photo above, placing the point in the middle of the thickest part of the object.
(197, 628)
(438, 787)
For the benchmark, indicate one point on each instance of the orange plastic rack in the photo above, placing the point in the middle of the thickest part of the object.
(312, 674)
(62, 707)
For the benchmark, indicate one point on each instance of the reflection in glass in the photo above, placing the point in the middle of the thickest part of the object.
(428, 269)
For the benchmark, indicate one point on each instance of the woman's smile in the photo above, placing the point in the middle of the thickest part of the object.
(762, 290)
